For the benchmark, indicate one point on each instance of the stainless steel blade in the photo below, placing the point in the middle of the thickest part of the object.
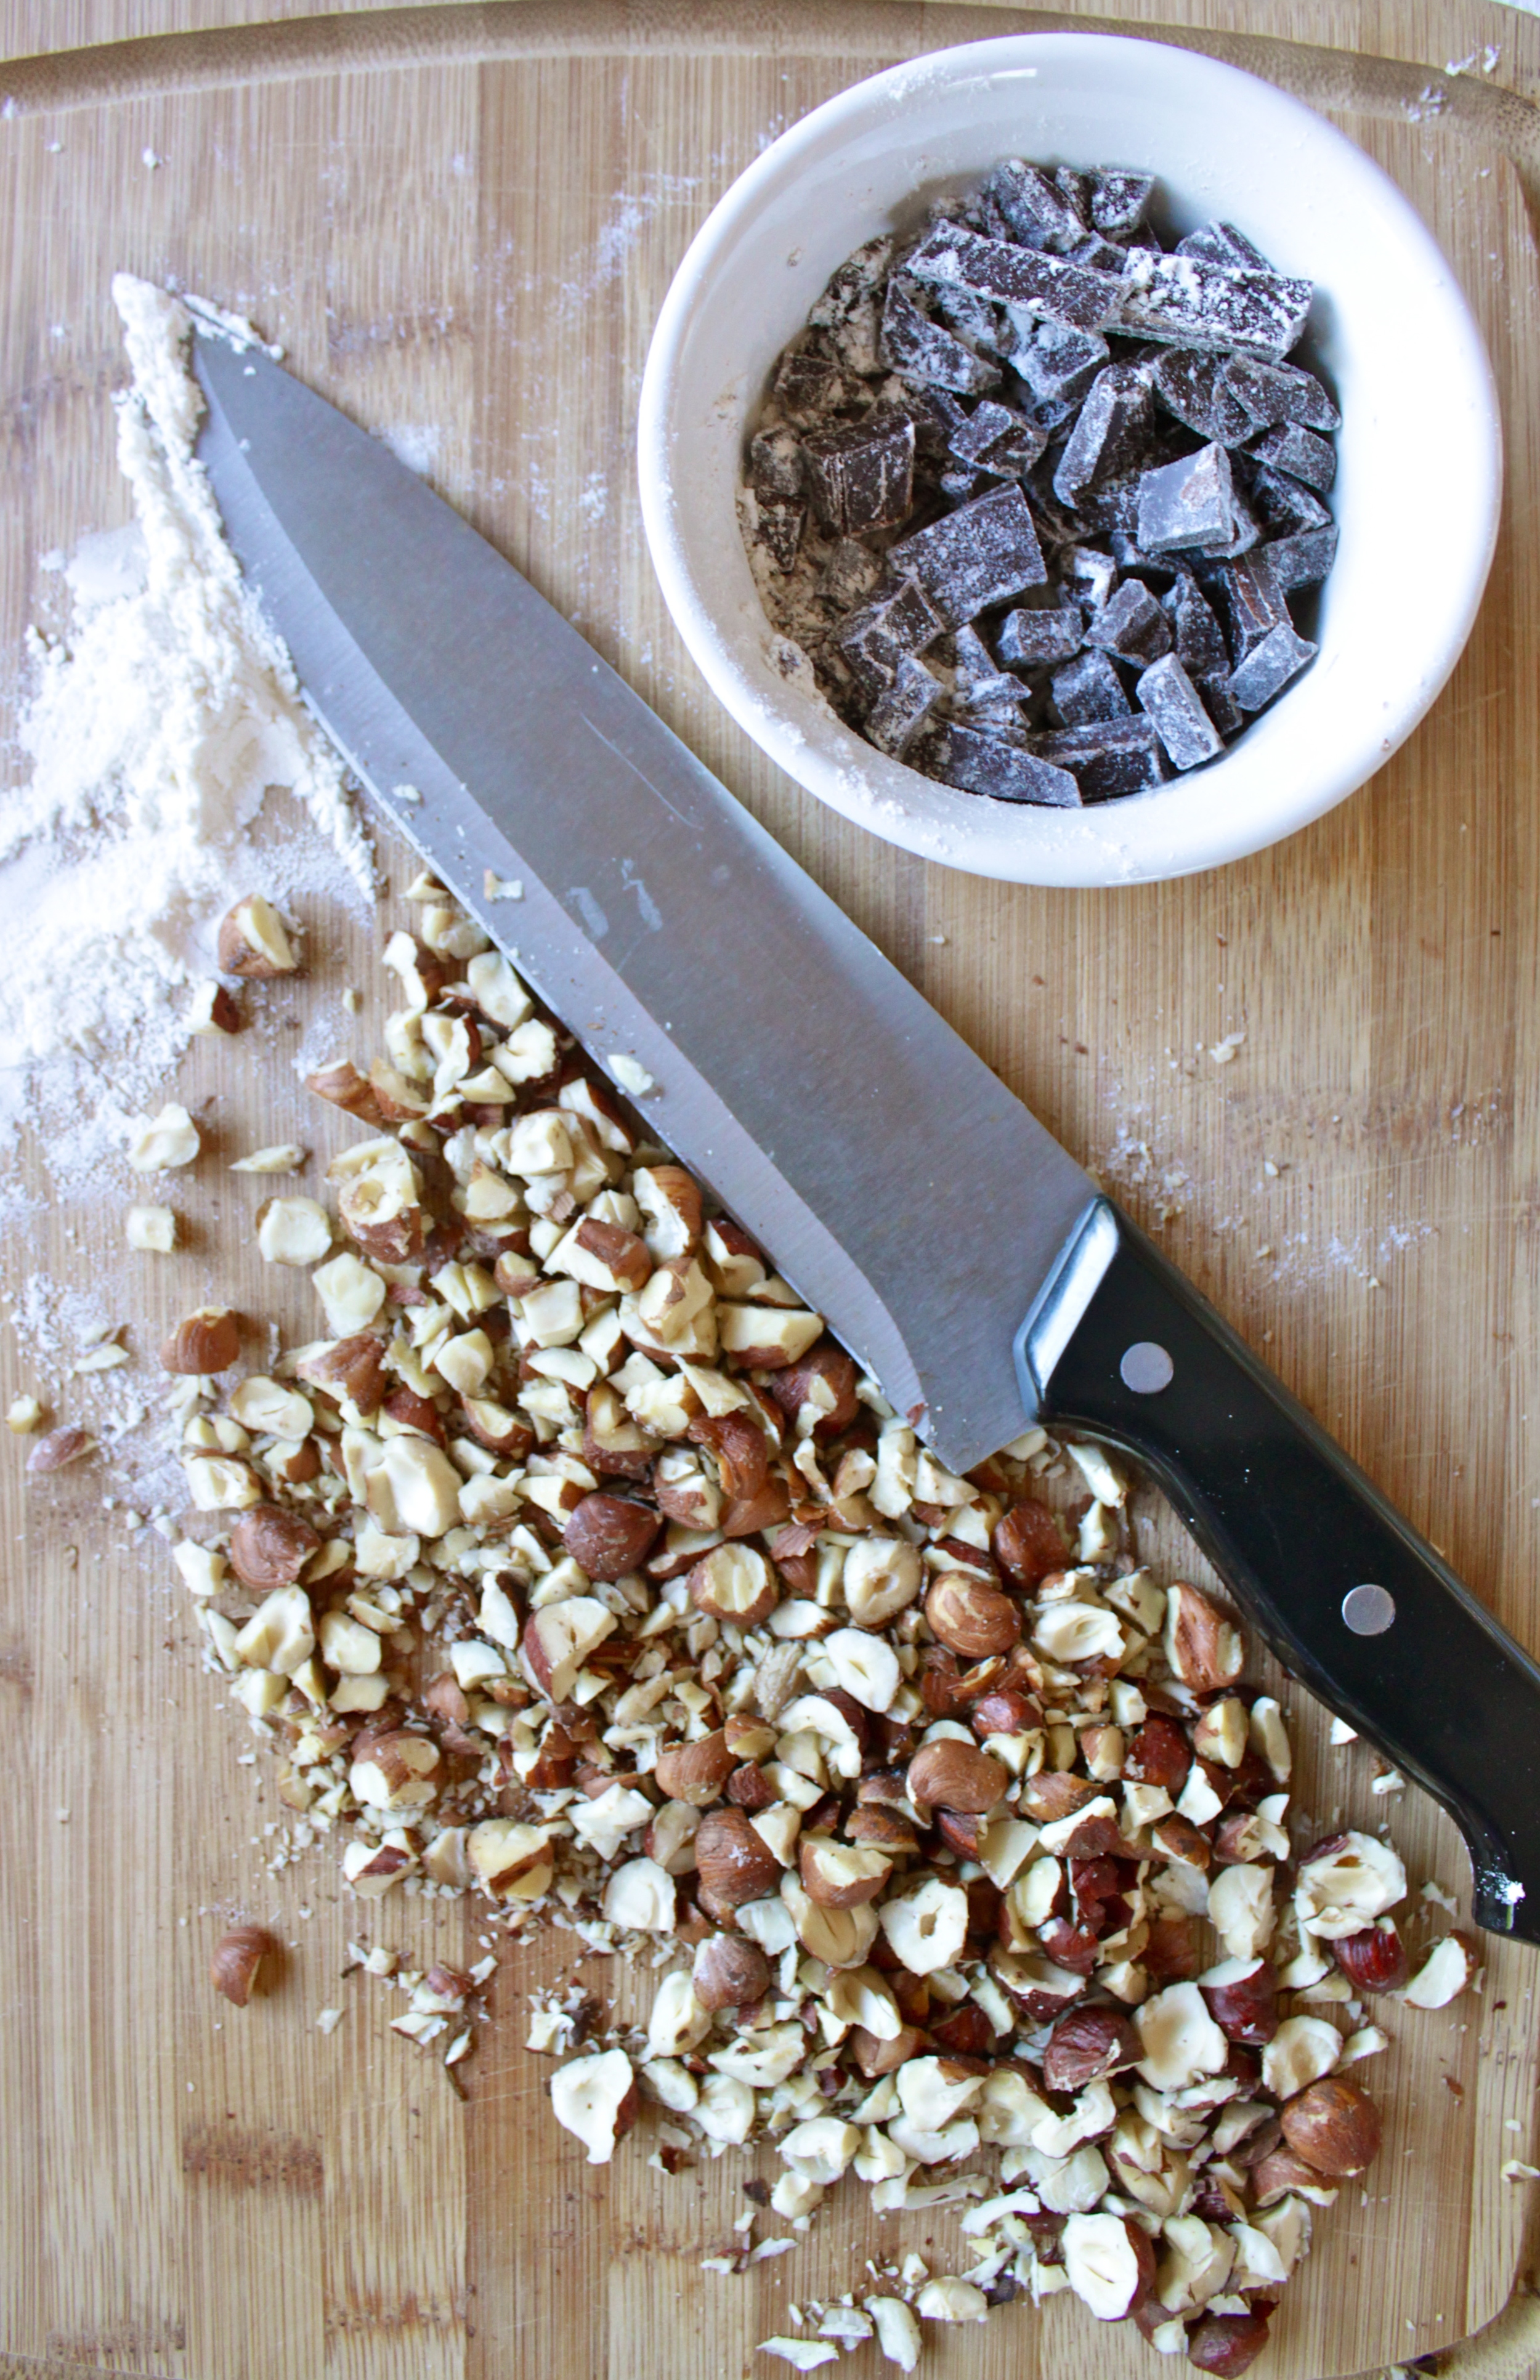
(901, 1188)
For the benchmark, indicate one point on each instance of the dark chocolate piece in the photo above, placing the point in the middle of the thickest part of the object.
(974, 319)
(1269, 665)
(858, 277)
(808, 386)
(1245, 533)
(892, 721)
(1175, 708)
(1110, 433)
(997, 438)
(875, 639)
(1191, 385)
(778, 526)
(982, 554)
(1110, 760)
(985, 764)
(1191, 304)
(775, 464)
(1091, 573)
(1200, 645)
(1254, 607)
(862, 476)
(856, 341)
(1043, 285)
(1036, 211)
(1189, 503)
(1281, 392)
(1118, 199)
(1284, 504)
(1221, 243)
(1299, 452)
(1098, 255)
(920, 349)
(1304, 559)
(849, 575)
(1132, 624)
(1222, 705)
(1031, 640)
(1056, 361)
(978, 686)
(1089, 689)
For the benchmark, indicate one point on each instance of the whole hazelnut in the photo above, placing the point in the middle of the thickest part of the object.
(730, 1972)
(610, 1535)
(1333, 2125)
(1087, 2045)
(1027, 1542)
(1227, 2344)
(951, 1776)
(268, 1547)
(236, 1960)
(695, 1772)
(971, 1618)
(734, 1862)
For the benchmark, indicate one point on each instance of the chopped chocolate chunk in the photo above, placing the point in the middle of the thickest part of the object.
(920, 349)
(1034, 210)
(997, 438)
(1192, 304)
(898, 711)
(1111, 510)
(1132, 624)
(1110, 431)
(1092, 575)
(975, 322)
(1075, 189)
(775, 464)
(983, 764)
(858, 277)
(1286, 505)
(1029, 639)
(808, 386)
(1200, 645)
(862, 476)
(1245, 533)
(777, 527)
(875, 640)
(978, 685)
(1281, 392)
(1176, 712)
(849, 575)
(1252, 605)
(1040, 283)
(1191, 384)
(1098, 255)
(1222, 705)
(980, 556)
(1221, 243)
(1118, 199)
(1110, 760)
(1087, 689)
(1189, 503)
(1299, 452)
(1304, 559)
(856, 342)
(1056, 361)
(1280, 655)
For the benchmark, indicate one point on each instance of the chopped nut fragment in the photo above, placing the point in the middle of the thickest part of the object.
(164, 1142)
(284, 1157)
(153, 1230)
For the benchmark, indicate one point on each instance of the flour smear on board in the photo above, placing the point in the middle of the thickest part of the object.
(156, 728)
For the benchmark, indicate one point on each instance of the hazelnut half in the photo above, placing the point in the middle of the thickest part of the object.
(236, 1958)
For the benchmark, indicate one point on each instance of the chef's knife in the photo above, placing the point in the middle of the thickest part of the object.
(905, 1193)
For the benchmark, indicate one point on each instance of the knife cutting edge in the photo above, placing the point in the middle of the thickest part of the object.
(947, 1238)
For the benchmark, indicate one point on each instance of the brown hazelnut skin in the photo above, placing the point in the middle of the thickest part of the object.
(730, 1972)
(1374, 1960)
(1246, 2011)
(952, 1775)
(1158, 1754)
(1333, 2125)
(1086, 2045)
(827, 1361)
(610, 1535)
(207, 1340)
(971, 1618)
(735, 1864)
(235, 1962)
(1227, 2344)
(1027, 1542)
(695, 1772)
(269, 1548)
(60, 1447)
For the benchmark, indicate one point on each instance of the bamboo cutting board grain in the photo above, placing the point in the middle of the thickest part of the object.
(461, 222)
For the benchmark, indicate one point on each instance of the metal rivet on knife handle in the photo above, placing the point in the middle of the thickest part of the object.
(1368, 1610)
(1147, 1369)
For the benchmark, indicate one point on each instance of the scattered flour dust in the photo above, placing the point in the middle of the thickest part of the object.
(156, 728)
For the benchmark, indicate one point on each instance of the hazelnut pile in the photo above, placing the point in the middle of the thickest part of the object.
(577, 1566)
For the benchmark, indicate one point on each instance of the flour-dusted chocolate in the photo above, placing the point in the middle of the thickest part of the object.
(1033, 491)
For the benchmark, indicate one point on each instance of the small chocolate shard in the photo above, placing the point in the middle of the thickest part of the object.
(1188, 503)
(1182, 301)
(808, 386)
(1087, 689)
(1191, 385)
(1282, 505)
(1200, 645)
(1280, 655)
(1035, 640)
(1221, 243)
(859, 277)
(1034, 210)
(849, 576)
(775, 464)
(1132, 624)
(979, 687)
(1175, 708)
(1024, 277)
(1056, 361)
(1118, 199)
(778, 526)
(1254, 607)
(997, 438)
(983, 764)
(1304, 559)
(875, 639)
(918, 348)
(1091, 573)
(1111, 432)
(892, 721)
(1222, 705)
(1279, 392)
(979, 556)
(974, 320)
(862, 476)
(1109, 761)
(1300, 453)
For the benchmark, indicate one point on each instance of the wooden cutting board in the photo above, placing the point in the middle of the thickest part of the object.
(461, 222)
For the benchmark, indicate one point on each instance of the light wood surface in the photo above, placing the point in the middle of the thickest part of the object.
(481, 248)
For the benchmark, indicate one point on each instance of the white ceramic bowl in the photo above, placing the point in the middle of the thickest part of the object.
(1419, 454)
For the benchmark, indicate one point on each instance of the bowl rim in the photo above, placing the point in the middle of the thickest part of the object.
(1143, 840)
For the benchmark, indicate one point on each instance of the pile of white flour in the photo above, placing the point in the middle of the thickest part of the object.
(155, 729)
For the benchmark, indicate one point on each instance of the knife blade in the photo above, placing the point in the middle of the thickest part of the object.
(964, 1255)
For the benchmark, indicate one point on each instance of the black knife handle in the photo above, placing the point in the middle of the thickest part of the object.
(1120, 1346)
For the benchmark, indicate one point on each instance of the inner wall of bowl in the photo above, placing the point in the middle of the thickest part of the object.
(1389, 330)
